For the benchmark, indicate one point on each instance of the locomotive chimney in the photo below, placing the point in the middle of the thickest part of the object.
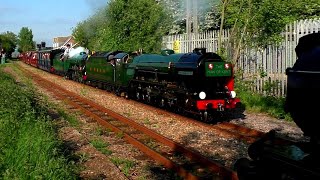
(200, 51)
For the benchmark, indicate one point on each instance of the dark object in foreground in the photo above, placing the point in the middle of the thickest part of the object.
(274, 159)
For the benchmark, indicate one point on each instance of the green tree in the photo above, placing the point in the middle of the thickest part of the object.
(25, 39)
(86, 32)
(8, 41)
(125, 25)
(134, 24)
(259, 23)
(141, 24)
(80, 35)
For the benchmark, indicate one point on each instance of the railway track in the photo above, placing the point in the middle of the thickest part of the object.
(187, 163)
(225, 128)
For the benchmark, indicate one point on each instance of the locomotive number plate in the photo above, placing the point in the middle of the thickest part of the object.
(218, 69)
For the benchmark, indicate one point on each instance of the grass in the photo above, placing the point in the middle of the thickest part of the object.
(83, 157)
(146, 121)
(124, 164)
(98, 143)
(120, 135)
(101, 146)
(151, 143)
(257, 103)
(100, 131)
(127, 114)
(84, 91)
(29, 148)
(68, 117)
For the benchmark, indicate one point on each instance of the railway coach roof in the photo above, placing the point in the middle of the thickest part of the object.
(100, 54)
(51, 51)
(105, 54)
(145, 58)
(120, 55)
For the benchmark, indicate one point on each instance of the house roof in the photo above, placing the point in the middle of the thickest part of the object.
(61, 39)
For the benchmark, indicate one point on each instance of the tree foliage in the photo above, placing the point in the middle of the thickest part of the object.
(125, 25)
(86, 32)
(25, 39)
(259, 23)
(8, 41)
(135, 24)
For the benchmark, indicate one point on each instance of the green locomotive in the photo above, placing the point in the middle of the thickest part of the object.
(199, 82)
(72, 66)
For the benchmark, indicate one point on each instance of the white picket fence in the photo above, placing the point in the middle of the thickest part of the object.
(271, 61)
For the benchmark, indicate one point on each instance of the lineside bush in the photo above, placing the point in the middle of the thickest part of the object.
(255, 102)
(29, 148)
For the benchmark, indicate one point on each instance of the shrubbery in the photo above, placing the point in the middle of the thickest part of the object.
(256, 102)
(28, 145)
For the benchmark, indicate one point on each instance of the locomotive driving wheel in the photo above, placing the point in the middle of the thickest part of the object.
(75, 74)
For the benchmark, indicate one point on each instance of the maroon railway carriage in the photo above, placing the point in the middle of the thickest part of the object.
(23, 57)
(30, 57)
(33, 58)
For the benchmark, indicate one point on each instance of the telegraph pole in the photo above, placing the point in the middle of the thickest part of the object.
(191, 16)
(188, 18)
(195, 16)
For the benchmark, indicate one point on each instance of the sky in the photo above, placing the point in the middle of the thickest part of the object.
(46, 18)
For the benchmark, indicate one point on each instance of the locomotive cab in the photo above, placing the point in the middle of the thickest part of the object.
(108, 70)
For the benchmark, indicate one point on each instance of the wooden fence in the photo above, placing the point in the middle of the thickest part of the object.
(265, 68)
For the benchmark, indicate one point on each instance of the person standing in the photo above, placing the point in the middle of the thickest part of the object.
(66, 53)
(3, 56)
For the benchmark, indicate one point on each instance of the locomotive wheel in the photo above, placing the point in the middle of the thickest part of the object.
(68, 75)
(76, 76)
(204, 116)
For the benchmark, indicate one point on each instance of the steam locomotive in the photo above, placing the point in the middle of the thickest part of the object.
(273, 158)
(198, 83)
